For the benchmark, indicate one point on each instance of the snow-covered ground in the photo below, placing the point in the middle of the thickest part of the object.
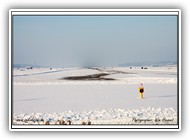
(111, 116)
(46, 92)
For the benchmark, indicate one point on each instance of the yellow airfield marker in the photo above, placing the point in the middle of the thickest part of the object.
(141, 91)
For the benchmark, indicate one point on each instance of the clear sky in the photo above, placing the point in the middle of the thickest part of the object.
(66, 41)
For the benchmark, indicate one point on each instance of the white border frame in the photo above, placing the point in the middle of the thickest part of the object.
(139, 12)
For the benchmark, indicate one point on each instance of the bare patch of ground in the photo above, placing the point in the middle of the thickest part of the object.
(99, 76)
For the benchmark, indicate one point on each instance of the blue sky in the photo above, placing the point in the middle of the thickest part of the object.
(67, 41)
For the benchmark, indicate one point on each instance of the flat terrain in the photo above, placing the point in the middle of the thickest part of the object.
(58, 90)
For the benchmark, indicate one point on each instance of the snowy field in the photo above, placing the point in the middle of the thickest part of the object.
(95, 95)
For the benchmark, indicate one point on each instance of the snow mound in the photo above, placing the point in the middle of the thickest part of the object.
(112, 116)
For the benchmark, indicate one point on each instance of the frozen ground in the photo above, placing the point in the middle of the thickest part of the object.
(46, 91)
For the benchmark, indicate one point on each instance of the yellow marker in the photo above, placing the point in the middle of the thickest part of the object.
(141, 90)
